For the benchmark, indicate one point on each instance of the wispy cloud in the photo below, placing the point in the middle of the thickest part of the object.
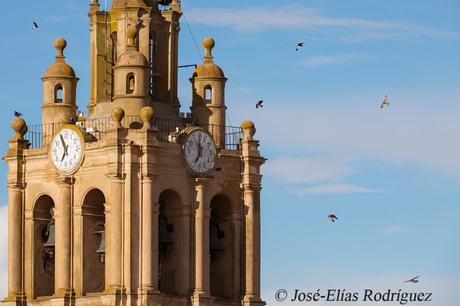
(307, 170)
(394, 229)
(327, 60)
(299, 17)
(331, 189)
(403, 134)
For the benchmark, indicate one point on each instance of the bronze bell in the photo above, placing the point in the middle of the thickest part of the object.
(50, 234)
(101, 249)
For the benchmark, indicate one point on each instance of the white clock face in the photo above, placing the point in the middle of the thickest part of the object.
(66, 150)
(200, 151)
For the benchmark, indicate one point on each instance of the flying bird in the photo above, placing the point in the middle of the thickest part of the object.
(385, 102)
(413, 280)
(299, 46)
(259, 103)
(332, 217)
(17, 114)
(34, 25)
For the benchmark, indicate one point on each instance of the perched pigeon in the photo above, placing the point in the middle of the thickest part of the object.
(413, 280)
(17, 114)
(34, 25)
(332, 218)
(259, 104)
(299, 46)
(385, 102)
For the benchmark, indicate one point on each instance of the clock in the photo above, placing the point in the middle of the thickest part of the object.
(67, 149)
(199, 151)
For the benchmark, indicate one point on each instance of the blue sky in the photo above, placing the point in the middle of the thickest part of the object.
(391, 176)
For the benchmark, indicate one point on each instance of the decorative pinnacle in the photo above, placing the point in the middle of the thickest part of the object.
(19, 127)
(60, 44)
(249, 129)
(208, 44)
(147, 113)
(118, 114)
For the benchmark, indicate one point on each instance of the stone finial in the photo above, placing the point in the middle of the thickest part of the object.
(132, 30)
(19, 127)
(118, 114)
(249, 130)
(147, 113)
(208, 44)
(60, 44)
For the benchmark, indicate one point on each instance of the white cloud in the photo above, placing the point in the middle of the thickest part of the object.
(307, 170)
(3, 251)
(298, 17)
(332, 189)
(326, 60)
(394, 229)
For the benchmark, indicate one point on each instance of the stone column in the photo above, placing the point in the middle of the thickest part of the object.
(252, 242)
(63, 285)
(251, 185)
(115, 236)
(202, 258)
(149, 238)
(15, 243)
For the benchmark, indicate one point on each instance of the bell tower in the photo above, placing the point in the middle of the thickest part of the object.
(133, 204)
(156, 38)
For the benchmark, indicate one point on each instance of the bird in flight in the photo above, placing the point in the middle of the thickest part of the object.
(413, 280)
(259, 103)
(299, 46)
(17, 114)
(385, 102)
(332, 217)
(34, 25)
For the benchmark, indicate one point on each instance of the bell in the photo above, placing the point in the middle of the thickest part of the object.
(50, 234)
(101, 249)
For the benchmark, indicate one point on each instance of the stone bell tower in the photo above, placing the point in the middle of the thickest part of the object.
(132, 204)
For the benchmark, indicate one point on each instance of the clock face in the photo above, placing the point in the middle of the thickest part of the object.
(66, 150)
(200, 151)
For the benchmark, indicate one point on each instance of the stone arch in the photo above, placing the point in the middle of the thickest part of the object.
(58, 93)
(93, 213)
(224, 246)
(174, 241)
(43, 269)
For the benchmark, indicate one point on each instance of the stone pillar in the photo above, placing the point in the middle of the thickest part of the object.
(15, 243)
(202, 257)
(251, 185)
(115, 236)
(149, 237)
(63, 284)
(15, 160)
(236, 225)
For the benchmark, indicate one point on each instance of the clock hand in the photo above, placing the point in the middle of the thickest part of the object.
(199, 152)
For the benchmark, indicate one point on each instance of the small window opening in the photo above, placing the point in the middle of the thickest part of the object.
(208, 93)
(58, 93)
(130, 84)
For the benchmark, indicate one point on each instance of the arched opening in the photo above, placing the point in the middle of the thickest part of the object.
(43, 246)
(173, 245)
(130, 83)
(93, 242)
(58, 93)
(208, 94)
(224, 229)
